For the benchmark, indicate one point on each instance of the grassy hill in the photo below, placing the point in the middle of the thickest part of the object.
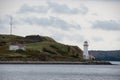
(38, 48)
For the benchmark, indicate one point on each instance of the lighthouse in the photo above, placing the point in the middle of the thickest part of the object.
(85, 52)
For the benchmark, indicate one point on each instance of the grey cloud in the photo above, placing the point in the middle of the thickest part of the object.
(54, 7)
(103, 0)
(37, 9)
(44, 22)
(6, 20)
(106, 25)
(3, 22)
(2, 26)
(97, 39)
(74, 37)
(118, 39)
(50, 22)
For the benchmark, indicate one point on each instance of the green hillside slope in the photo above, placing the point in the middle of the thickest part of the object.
(38, 48)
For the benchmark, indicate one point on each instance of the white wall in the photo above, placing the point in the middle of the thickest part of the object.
(15, 47)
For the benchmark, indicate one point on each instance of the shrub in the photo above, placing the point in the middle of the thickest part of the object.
(20, 51)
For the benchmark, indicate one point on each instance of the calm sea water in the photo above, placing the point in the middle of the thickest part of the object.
(59, 72)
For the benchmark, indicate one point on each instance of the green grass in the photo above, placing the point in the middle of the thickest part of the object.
(47, 50)
(51, 47)
(55, 48)
(9, 38)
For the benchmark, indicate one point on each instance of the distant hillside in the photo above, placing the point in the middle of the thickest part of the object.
(106, 55)
(38, 48)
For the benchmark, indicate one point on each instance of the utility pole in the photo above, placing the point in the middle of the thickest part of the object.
(11, 25)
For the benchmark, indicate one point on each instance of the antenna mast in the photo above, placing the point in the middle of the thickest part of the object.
(11, 25)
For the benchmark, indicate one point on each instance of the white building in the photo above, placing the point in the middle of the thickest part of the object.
(85, 52)
(16, 47)
(91, 57)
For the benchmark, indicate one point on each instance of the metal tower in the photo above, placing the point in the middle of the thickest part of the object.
(11, 25)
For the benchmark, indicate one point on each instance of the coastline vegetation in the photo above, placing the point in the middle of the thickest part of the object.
(38, 48)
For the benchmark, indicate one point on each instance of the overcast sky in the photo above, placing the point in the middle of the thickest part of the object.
(67, 21)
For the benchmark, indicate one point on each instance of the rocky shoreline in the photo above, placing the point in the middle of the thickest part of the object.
(57, 62)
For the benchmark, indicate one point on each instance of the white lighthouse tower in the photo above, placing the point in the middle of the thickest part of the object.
(85, 52)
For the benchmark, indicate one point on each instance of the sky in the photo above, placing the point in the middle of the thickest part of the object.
(70, 22)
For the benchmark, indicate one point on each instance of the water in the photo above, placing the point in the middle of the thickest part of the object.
(115, 62)
(59, 72)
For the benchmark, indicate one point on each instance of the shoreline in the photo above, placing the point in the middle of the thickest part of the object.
(58, 62)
